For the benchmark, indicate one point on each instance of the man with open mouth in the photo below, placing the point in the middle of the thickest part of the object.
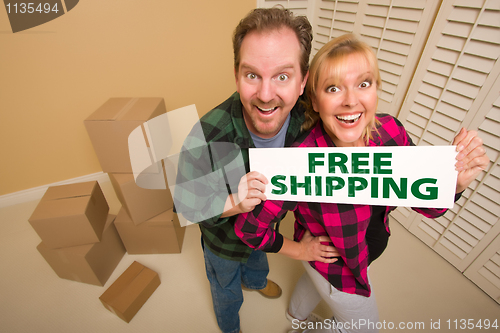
(271, 63)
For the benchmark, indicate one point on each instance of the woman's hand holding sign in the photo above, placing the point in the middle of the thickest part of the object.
(471, 158)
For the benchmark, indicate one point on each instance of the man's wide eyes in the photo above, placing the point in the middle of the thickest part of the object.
(282, 77)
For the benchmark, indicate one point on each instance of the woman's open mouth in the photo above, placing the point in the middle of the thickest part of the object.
(349, 119)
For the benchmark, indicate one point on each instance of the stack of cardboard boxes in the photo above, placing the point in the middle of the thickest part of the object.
(146, 222)
(79, 239)
(82, 242)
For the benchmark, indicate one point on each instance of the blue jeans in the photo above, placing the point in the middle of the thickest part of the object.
(225, 277)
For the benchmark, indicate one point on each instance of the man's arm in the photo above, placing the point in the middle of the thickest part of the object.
(201, 191)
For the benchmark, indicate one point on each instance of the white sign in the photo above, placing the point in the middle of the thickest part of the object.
(416, 176)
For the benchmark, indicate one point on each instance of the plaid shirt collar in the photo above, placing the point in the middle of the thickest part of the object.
(322, 139)
(241, 133)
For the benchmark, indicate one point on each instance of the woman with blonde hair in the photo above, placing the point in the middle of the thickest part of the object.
(341, 112)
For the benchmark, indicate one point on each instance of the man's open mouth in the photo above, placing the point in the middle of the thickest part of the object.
(267, 111)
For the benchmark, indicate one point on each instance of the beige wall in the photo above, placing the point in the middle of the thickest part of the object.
(54, 75)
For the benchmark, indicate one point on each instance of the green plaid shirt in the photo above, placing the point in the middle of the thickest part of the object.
(224, 124)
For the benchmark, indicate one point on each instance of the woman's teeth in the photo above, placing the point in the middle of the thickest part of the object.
(349, 119)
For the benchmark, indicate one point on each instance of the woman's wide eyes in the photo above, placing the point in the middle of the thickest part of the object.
(365, 84)
(332, 89)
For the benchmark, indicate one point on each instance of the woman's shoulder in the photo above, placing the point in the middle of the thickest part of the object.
(308, 138)
(388, 120)
(390, 130)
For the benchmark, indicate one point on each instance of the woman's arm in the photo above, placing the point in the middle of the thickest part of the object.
(309, 249)
(256, 230)
(471, 160)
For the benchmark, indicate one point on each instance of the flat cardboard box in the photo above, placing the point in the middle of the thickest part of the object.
(111, 124)
(141, 204)
(71, 215)
(160, 234)
(130, 291)
(91, 263)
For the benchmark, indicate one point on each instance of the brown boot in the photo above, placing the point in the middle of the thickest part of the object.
(272, 290)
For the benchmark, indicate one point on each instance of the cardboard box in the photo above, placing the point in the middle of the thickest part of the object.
(91, 263)
(141, 204)
(130, 291)
(110, 125)
(71, 215)
(160, 234)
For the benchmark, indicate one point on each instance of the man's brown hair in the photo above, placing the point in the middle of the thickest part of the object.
(268, 19)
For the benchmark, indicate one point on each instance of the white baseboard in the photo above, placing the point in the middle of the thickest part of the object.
(36, 193)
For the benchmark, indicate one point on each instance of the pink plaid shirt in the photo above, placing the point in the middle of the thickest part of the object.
(345, 224)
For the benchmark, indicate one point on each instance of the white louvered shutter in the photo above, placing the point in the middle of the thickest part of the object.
(485, 270)
(456, 85)
(333, 19)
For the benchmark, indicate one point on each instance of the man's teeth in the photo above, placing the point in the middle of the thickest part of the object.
(349, 118)
(266, 110)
